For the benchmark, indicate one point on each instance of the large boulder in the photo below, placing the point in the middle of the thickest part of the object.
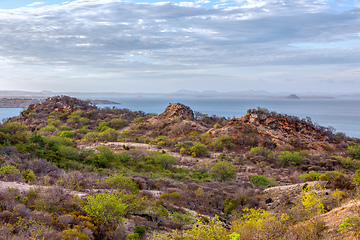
(176, 110)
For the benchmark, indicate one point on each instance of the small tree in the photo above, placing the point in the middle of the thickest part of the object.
(223, 171)
(223, 142)
(286, 157)
(354, 150)
(198, 150)
(261, 180)
(121, 182)
(165, 160)
(105, 207)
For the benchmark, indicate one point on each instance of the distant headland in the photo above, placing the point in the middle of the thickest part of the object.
(21, 102)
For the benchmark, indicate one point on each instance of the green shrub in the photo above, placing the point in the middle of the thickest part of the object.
(261, 180)
(217, 125)
(83, 130)
(55, 140)
(48, 128)
(260, 151)
(28, 175)
(330, 176)
(14, 127)
(356, 164)
(197, 175)
(121, 182)
(165, 160)
(133, 236)
(206, 138)
(230, 205)
(182, 218)
(32, 115)
(355, 179)
(69, 152)
(351, 223)
(84, 121)
(125, 158)
(118, 123)
(102, 126)
(184, 147)
(109, 135)
(139, 120)
(198, 150)
(3, 138)
(286, 157)
(71, 234)
(346, 162)
(106, 152)
(310, 176)
(74, 117)
(65, 128)
(140, 229)
(66, 134)
(223, 171)
(91, 137)
(354, 150)
(4, 169)
(223, 142)
(105, 207)
(173, 195)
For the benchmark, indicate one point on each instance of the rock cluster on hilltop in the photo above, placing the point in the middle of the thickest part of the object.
(177, 119)
(61, 104)
(177, 110)
(283, 130)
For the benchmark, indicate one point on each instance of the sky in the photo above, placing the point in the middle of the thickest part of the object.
(163, 46)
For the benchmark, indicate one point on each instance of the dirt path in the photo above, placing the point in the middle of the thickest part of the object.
(24, 187)
(184, 160)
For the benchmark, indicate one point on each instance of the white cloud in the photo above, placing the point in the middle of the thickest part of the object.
(114, 36)
(186, 4)
(35, 4)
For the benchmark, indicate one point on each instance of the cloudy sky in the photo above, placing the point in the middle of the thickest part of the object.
(160, 46)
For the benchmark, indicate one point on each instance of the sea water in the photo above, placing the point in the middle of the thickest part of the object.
(342, 114)
(6, 113)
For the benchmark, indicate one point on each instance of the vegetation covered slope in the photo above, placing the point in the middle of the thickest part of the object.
(116, 174)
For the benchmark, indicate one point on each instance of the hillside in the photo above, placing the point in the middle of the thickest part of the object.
(74, 171)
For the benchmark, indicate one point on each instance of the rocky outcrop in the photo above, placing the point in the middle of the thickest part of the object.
(283, 130)
(61, 104)
(177, 120)
(176, 110)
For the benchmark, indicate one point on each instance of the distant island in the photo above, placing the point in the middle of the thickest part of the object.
(292, 96)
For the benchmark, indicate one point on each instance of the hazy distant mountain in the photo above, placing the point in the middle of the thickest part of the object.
(16, 93)
(181, 93)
